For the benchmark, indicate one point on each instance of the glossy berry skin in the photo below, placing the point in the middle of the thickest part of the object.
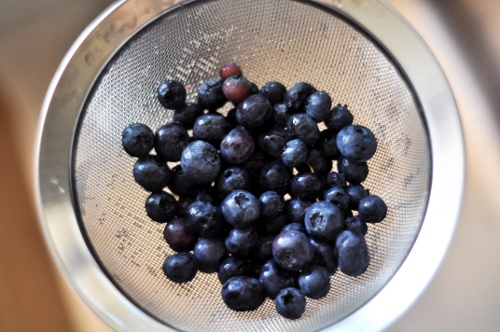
(324, 255)
(240, 208)
(181, 185)
(317, 161)
(187, 114)
(171, 94)
(356, 143)
(211, 128)
(355, 224)
(323, 221)
(204, 218)
(356, 192)
(290, 303)
(200, 162)
(238, 146)
(294, 153)
(274, 91)
(273, 140)
(296, 96)
(295, 226)
(275, 176)
(352, 253)
(318, 105)
(210, 95)
(314, 281)
(241, 240)
(233, 267)
(209, 252)
(307, 186)
(281, 113)
(138, 140)
(303, 127)
(355, 173)
(372, 209)
(328, 144)
(254, 111)
(179, 235)
(338, 196)
(292, 250)
(296, 210)
(272, 204)
(229, 70)
(335, 179)
(151, 174)
(181, 267)
(243, 293)
(233, 178)
(273, 279)
(236, 88)
(170, 141)
(339, 117)
(161, 206)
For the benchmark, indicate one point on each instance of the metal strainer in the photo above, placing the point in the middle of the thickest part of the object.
(358, 51)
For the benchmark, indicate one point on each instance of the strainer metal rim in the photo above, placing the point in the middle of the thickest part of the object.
(107, 33)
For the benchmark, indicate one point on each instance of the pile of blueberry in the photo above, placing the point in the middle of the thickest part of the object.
(256, 199)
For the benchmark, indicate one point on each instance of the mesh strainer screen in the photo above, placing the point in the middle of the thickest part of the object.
(279, 40)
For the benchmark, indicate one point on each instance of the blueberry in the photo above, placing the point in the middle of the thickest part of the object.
(296, 97)
(255, 89)
(263, 249)
(236, 88)
(273, 140)
(243, 293)
(318, 105)
(355, 173)
(335, 179)
(254, 111)
(179, 235)
(211, 128)
(137, 140)
(181, 267)
(338, 196)
(204, 218)
(314, 281)
(323, 221)
(204, 196)
(271, 204)
(170, 141)
(274, 91)
(183, 201)
(233, 267)
(307, 186)
(303, 127)
(281, 114)
(182, 185)
(171, 94)
(187, 114)
(229, 70)
(231, 117)
(210, 95)
(356, 192)
(273, 279)
(292, 250)
(338, 118)
(151, 173)
(356, 143)
(372, 209)
(328, 144)
(295, 226)
(355, 224)
(241, 240)
(161, 206)
(352, 253)
(324, 255)
(275, 176)
(209, 252)
(294, 153)
(238, 146)
(200, 162)
(290, 303)
(240, 208)
(272, 225)
(296, 210)
(317, 161)
(231, 179)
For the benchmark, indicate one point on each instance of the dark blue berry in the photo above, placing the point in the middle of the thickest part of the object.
(151, 174)
(303, 127)
(272, 225)
(272, 204)
(233, 267)
(356, 143)
(356, 192)
(240, 208)
(355, 224)
(210, 95)
(273, 279)
(338, 196)
(171, 94)
(183, 201)
(236, 88)
(274, 91)
(179, 236)
(211, 128)
(323, 221)
(161, 206)
(231, 179)
(243, 293)
(263, 250)
(295, 226)
(324, 255)
(200, 162)
(335, 179)
(181, 267)
(204, 218)
(204, 196)
(137, 140)
(290, 303)
(241, 240)
(275, 176)
(355, 173)
(338, 118)
(296, 210)
(254, 111)
(182, 185)
(238, 146)
(170, 141)
(307, 186)
(292, 250)
(273, 140)
(317, 161)
(209, 252)
(187, 114)
(281, 114)
(296, 97)
(372, 209)
(352, 253)
(328, 144)
(318, 105)
(294, 153)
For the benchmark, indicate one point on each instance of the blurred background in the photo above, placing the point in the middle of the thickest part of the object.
(464, 36)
